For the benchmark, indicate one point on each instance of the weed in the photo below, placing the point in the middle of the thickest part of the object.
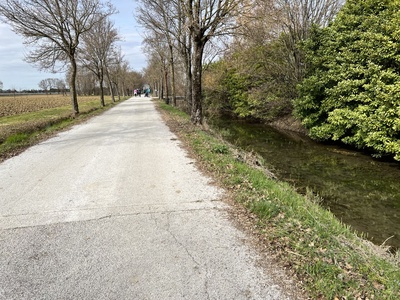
(17, 138)
(221, 149)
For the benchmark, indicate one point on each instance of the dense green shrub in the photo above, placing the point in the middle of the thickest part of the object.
(352, 91)
(253, 81)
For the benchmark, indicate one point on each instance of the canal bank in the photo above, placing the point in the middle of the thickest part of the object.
(306, 239)
(361, 191)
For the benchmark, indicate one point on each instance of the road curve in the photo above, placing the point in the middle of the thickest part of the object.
(114, 209)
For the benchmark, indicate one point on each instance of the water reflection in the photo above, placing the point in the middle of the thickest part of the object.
(361, 191)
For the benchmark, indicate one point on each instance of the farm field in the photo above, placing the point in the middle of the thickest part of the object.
(20, 104)
(25, 119)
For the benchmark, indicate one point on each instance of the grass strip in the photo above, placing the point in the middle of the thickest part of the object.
(328, 257)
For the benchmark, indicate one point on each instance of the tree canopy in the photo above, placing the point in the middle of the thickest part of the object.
(352, 90)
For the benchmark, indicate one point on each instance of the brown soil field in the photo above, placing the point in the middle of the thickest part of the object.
(19, 104)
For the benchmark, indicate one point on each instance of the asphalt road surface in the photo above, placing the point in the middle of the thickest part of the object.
(115, 209)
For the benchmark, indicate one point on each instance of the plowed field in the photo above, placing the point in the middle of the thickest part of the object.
(10, 105)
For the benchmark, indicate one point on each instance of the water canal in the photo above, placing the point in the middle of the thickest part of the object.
(359, 190)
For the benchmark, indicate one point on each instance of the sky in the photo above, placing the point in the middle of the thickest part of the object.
(17, 74)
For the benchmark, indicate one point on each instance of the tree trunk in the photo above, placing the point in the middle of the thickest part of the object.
(123, 89)
(101, 83)
(162, 88)
(102, 103)
(72, 86)
(172, 65)
(189, 82)
(166, 84)
(110, 84)
(118, 93)
(111, 91)
(197, 109)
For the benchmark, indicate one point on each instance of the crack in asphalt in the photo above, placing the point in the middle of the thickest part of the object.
(108, 216)
(199, 267)
(168, 229)
(204, 266)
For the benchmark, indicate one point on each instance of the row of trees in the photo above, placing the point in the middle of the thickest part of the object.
(177, 33)
(76, 34)
(246, 58)
(53, 84)
(333, 65)
(86, 84)
(256, 43)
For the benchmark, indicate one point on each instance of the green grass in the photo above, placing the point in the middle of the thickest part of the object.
(173, 111)
(326, 255)
(17, 138)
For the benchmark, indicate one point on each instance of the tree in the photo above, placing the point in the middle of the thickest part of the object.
(50, 84)
(54, 28)
(118, 73)
(352, 91)
(192, 24)
(1, 85)
(45, 84)
(160, 19)
(166, 25)
(205, 20)
(160, 55)
(61, 86)
(296, 18)
(98, 48)
(111, 68)
(85, 82)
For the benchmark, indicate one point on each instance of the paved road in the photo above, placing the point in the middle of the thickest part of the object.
(114, 209)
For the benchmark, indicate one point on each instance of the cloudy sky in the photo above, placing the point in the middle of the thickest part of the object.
(15, 73)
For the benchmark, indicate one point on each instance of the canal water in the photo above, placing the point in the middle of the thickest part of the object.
(361, 191)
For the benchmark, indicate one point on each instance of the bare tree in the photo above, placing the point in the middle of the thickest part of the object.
(45, 84)
(159, 18)
(98, 48)
(1, 85)
(192, 24)
(296, 18)
(54, 28)
(205, 20)
(160, 55)
(184, 45)
(119, 76)
(116, 68)
(61, 86)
